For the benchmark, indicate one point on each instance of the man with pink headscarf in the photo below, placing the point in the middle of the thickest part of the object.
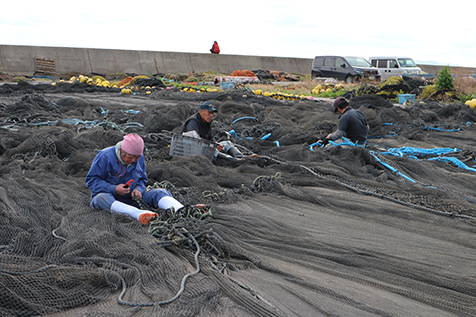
(112, 168)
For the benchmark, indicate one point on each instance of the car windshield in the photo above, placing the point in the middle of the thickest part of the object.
(407, 62)
(358, 61)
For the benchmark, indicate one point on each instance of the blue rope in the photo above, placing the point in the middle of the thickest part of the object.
(393, 134)
(343, 141)
(131, 111)
(403, 151)
(311, 146)
(266, 136)
(244, 118)
(445, 130)
(106, 112)
(233, 133)
(391, 168)
(79, 121)
(47, 77)
(413, 152)
(453, 160)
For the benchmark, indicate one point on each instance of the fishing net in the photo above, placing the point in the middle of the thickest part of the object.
(301, 230)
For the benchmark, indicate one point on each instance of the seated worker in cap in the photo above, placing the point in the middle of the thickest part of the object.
(352, 123)
(112, 168)
(201, 123)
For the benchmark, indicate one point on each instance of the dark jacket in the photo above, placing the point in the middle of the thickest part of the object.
(354, 124)
(195, 123)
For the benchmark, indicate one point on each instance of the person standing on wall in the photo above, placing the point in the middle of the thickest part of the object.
(215, 48)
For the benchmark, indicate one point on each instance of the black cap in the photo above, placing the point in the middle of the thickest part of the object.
(208, 106)
(340, 103)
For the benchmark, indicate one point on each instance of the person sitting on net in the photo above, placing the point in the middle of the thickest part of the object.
(112, 168)
(352, 124)
(200, 124)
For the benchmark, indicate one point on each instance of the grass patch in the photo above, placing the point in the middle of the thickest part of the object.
(464, 83)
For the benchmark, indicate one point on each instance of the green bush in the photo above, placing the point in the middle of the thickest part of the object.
(465, 97)
(445, 80)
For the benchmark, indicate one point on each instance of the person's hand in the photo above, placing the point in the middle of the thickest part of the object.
(220, 147)
(121, 190)
(136, 194)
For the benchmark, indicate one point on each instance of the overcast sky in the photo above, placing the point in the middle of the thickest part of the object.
(431, 33)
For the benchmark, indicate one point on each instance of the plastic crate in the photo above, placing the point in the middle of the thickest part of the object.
(405, 97)
(227, 85)
(182, 145)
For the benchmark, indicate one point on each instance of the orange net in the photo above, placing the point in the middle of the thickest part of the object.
(125, 81)
(243, 73)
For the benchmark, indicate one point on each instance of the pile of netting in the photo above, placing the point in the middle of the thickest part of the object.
(300, 230)
(391, 87)
(267, 75)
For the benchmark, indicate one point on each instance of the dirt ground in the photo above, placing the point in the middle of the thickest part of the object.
(386, 230)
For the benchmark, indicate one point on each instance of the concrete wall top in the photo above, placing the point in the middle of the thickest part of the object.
(455, 70)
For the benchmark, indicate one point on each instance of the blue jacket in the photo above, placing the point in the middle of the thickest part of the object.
(107, 172)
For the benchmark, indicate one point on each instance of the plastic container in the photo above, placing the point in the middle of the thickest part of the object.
(236, 79)
(405, 97)
(182, 145)
(227, 85)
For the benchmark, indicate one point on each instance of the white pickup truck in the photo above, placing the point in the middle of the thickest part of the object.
(390, 66)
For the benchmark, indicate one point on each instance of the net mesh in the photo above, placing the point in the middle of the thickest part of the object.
(330, 231)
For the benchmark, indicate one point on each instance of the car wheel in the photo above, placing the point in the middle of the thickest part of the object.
(317, 77)
(349, 80)
(315, 74)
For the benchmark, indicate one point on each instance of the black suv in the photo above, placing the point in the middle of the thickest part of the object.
(345, 68)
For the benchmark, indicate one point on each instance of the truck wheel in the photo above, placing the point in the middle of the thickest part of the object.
(349, 80)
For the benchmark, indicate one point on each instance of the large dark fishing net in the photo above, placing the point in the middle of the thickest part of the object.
(298, 231)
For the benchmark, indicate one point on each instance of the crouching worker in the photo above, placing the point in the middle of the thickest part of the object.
(352, 124)
(201, 124)
(112, 168)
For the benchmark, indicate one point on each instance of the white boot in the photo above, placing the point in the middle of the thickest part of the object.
(143, 216)
(167, 202)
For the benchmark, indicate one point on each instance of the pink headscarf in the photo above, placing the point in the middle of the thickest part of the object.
(132, 144)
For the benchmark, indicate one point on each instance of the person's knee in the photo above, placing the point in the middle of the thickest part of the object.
(153, 196)
(227, 145)
(102, 201)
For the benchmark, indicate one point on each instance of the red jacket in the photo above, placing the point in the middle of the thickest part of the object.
(215, 49)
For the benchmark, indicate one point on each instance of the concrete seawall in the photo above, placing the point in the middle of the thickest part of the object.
(20, 60)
